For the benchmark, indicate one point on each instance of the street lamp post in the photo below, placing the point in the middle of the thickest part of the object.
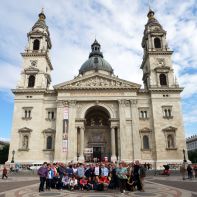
(184, 158)
(13, 152)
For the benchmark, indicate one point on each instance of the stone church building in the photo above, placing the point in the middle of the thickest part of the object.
(97, 114)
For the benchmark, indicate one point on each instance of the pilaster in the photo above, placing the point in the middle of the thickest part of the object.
(72, 133)
(136, 149)
(59, 155)
(81, 157)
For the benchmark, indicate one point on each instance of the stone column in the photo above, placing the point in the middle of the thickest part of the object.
(81, 156)
(122, 131)
(113, 145)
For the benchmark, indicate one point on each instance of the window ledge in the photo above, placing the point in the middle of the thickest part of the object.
(146, 150)
(26, 118)
(50, 150)
(48, 119)
(144, 118)
(171, 148)
(23, 149)
(166, 117)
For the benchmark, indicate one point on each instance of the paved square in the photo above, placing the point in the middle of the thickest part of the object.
(155, 186)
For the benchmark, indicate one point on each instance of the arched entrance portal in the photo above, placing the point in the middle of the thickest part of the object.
(97, 134)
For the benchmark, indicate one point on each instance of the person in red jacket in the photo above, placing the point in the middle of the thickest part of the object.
(83, 183)
(105, 181)
(5, 172)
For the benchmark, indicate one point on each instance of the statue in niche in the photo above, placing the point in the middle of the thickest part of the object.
(25, 142)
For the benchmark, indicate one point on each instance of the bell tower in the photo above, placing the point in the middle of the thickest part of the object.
(37, 67)
(157, 64)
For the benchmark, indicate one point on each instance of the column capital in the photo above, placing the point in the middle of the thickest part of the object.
(123, 102)
(133, 101)
(82, 127)
(72, 103)
(62, 103)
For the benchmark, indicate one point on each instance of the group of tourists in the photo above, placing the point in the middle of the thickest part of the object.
(98, 177)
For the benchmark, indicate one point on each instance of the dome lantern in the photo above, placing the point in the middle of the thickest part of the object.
(96, 61)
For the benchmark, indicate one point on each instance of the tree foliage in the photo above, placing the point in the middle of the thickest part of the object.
(192, 155)
(4, 154)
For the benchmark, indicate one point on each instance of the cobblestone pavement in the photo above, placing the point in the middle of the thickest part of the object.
(152, 189)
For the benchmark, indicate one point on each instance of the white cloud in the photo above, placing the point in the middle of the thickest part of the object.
(4, 139)
(9, 76)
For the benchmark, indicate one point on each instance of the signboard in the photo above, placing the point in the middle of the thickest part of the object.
(64, 145)
(88, 150)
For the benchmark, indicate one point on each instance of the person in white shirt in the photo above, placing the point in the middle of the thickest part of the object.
(73, 183)
(97, 170)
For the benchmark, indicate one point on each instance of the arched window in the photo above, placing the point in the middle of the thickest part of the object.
(170, 141)
(36, 44)
(157, 43)
(145, 142)
(49, 142)
(31, 81)
(163, 80)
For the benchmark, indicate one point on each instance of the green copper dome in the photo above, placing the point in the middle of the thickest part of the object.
(96, 61)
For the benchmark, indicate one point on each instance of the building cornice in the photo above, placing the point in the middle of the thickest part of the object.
(166, 89)
(26, 90)
(98, 88)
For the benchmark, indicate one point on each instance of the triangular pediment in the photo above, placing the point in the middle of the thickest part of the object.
(97, 81)
(170, 128)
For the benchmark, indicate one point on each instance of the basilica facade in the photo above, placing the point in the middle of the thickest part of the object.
(96, 114)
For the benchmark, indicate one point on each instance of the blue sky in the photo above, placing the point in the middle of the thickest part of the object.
(117, 24)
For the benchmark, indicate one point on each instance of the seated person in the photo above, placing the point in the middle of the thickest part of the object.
(99, 186)
(91, 183)
(65, 181)
(73, 183)
(83, 183)
(105, 181)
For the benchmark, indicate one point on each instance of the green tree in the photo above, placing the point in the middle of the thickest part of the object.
(192, 155)
(4, 154)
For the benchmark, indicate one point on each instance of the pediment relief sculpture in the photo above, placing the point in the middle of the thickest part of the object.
(97, 82)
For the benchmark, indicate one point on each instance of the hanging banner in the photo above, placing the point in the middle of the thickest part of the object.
(66, 113)
(64, 145)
